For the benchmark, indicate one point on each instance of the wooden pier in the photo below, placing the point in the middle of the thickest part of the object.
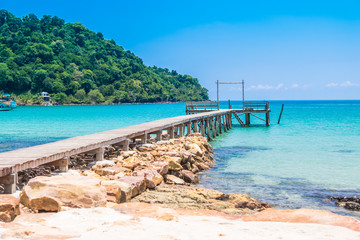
(250, 108)
(208, 123)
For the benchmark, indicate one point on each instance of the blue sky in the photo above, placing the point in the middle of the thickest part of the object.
(282, 49)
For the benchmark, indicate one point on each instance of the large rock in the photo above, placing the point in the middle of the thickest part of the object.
(131, 162)
(52, 193)
(104, 163)
(190, 177)
(194, 149)
(174, 165)
(161, 167)
(9, 208)
(350, 203)
(152, 177)
(180, 196)
(112, 171)
(118, 191)
(171, 179)
(136, 183)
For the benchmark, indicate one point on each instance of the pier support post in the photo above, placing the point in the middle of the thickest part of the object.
(208, 130)
(99, 154)
(247, 119)
(196, 126)
(171, 132)
(230, 120)
(203, 128)
(9, 182)
(63, 164)
(159, 135)
(213, 125)
(125, 145)
(181, 130)
(227, 121)
(219, 124)
(224, 122)
(267, 119)
(188, 128)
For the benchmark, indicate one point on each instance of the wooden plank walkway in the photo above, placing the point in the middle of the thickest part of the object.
(209, 124)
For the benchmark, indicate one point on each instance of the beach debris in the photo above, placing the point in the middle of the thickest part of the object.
(50, 194)
(9, 208)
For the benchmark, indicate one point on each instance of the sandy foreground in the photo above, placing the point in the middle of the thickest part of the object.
(151, 222)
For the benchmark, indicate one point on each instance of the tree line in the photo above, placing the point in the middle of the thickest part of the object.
(76, 65)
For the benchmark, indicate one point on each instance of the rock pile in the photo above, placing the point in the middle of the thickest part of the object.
(350, 203)
(174, 161)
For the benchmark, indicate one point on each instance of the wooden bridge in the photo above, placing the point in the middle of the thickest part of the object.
(209, 124)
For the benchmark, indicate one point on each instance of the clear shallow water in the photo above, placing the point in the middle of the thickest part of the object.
(312, 154)
(33, 125)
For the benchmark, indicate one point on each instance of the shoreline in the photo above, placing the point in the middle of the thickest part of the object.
(102, 104)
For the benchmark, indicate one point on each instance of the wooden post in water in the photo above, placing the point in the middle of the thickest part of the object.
(282, 108)
(207, 128)
(230, 105)
(219, 121)
(224, 122)
(213, 127)
(267, 119)
(230, 121)
(247, 119)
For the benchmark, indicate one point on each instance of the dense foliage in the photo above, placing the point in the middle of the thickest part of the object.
(76, 65)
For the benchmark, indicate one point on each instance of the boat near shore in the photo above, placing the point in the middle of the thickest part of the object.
(6, 103)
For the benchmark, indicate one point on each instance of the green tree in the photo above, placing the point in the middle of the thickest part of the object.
(96, 96)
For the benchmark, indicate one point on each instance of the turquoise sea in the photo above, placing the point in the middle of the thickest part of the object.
(312, 154)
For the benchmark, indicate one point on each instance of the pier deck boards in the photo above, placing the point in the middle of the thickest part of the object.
(21, 159)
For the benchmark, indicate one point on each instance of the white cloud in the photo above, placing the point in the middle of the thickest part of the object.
(278, 87)
(266, 87)
(344, 84)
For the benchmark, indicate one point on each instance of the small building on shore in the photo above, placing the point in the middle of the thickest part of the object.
(45, 96)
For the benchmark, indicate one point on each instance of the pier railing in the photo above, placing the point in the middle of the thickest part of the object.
(256, 105)
(201, 106)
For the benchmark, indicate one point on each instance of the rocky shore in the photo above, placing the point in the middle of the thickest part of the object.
(159, 173)
(155, 180)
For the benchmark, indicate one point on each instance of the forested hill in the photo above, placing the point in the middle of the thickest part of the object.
(76, 65)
